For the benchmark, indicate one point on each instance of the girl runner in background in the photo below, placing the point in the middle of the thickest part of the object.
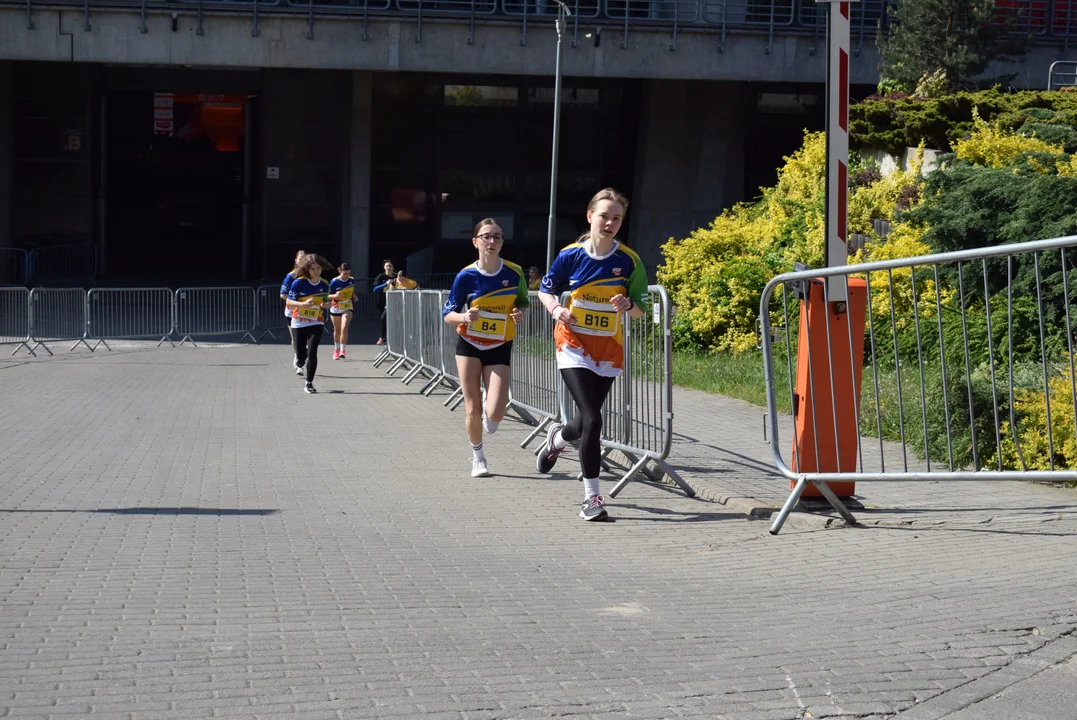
(284, 288)
(306, 298)
(607, 281)
(384, 277)
(341, 289)
(484, 304)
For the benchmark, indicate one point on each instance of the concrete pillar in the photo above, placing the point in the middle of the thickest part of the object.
(689, 163)
(6, 141)
(355, 244)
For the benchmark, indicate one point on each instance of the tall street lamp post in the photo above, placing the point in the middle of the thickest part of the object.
(562, 13)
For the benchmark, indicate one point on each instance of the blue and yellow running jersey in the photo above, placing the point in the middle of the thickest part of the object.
(303, 289)
(495, 296)
(596, 341)
(284, 288)
(346, 289)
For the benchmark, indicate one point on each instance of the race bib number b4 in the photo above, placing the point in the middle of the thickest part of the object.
(489, 326)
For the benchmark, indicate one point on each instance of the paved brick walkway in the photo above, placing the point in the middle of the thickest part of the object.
(184, 534)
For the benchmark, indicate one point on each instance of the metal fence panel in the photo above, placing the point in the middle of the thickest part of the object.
(114, 313)
(62, 263)
(654, 11)
(270, 312)
(394, 331)
(535, 381)
(57, 315)
(749, 13)
(13, 266)
(15, 318)
(547, 9)
(967, 356)
(430, 322)
(216, 311)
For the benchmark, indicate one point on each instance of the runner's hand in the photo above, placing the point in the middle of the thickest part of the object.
(620, 303)
(564, 315)
(309, 302)
(471, 315)
(517, 315)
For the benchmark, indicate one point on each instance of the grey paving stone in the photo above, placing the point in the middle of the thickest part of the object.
(193, 530)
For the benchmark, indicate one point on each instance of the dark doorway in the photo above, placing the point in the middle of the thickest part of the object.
(175, 179)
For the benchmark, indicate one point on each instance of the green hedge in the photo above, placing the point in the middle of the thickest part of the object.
(897, 122)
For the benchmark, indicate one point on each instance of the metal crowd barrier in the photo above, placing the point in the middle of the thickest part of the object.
(535, 381)
(13, 266)
(430, 349)
(637, 417)
(15, 318)
(58, 315)
(215, 311)
(269, 313)
(394, 331)
(129, 313)
(62, 263)
(967, 358)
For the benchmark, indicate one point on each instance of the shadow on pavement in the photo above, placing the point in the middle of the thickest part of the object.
(153, 511)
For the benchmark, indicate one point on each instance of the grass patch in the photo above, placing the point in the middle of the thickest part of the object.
(737, 376)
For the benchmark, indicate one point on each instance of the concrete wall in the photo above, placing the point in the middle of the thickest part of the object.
(7, 140)
(690, 162)
(305, 117)
(355, 243)
(392, 45)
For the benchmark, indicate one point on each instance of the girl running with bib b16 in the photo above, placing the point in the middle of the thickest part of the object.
(307, 297)
(484, 304)
(607, 285)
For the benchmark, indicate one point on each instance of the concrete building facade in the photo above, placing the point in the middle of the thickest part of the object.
(211, 145)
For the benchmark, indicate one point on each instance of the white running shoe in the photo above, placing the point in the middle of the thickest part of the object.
(478, 468)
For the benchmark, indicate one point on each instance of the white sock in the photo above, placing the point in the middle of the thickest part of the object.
(559, 441)
(489, 425)
(590, 488)
(477, 450)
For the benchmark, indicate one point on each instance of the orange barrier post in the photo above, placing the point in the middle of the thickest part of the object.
(830, 384)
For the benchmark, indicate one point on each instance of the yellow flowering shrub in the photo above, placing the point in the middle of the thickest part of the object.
(990, 146)
(1031, 409)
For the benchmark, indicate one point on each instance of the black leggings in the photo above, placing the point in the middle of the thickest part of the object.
(307, 340)
(384, 323)
(589, 391)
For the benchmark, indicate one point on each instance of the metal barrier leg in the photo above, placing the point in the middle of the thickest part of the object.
(835, 502)
(672, 475)
(382, 357)
(536, 432)
(82, 341)
(267, 332)
(455, 393)
(41, 345)
(396, 366)
(411, 374)
(248, 335)
(628, 476)
(425, 390)
(169, 339)
(458, 402)
(790, 503)
(22, 345)
(521, 413)
(99, 343)
(185, 339)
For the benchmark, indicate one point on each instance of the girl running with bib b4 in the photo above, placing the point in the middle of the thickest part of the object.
(607, 285)
(484, 304)
(342, 295)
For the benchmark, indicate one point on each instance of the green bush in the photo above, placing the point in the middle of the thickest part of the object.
(895, 124)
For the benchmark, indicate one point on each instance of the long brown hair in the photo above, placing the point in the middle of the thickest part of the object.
(604, 194)
(310, 260)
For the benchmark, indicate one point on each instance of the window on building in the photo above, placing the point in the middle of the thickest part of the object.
(481, 96)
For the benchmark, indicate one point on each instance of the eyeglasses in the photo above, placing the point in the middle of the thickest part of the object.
(492, 237)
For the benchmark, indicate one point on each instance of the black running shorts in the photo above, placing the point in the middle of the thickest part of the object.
(500, 355)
